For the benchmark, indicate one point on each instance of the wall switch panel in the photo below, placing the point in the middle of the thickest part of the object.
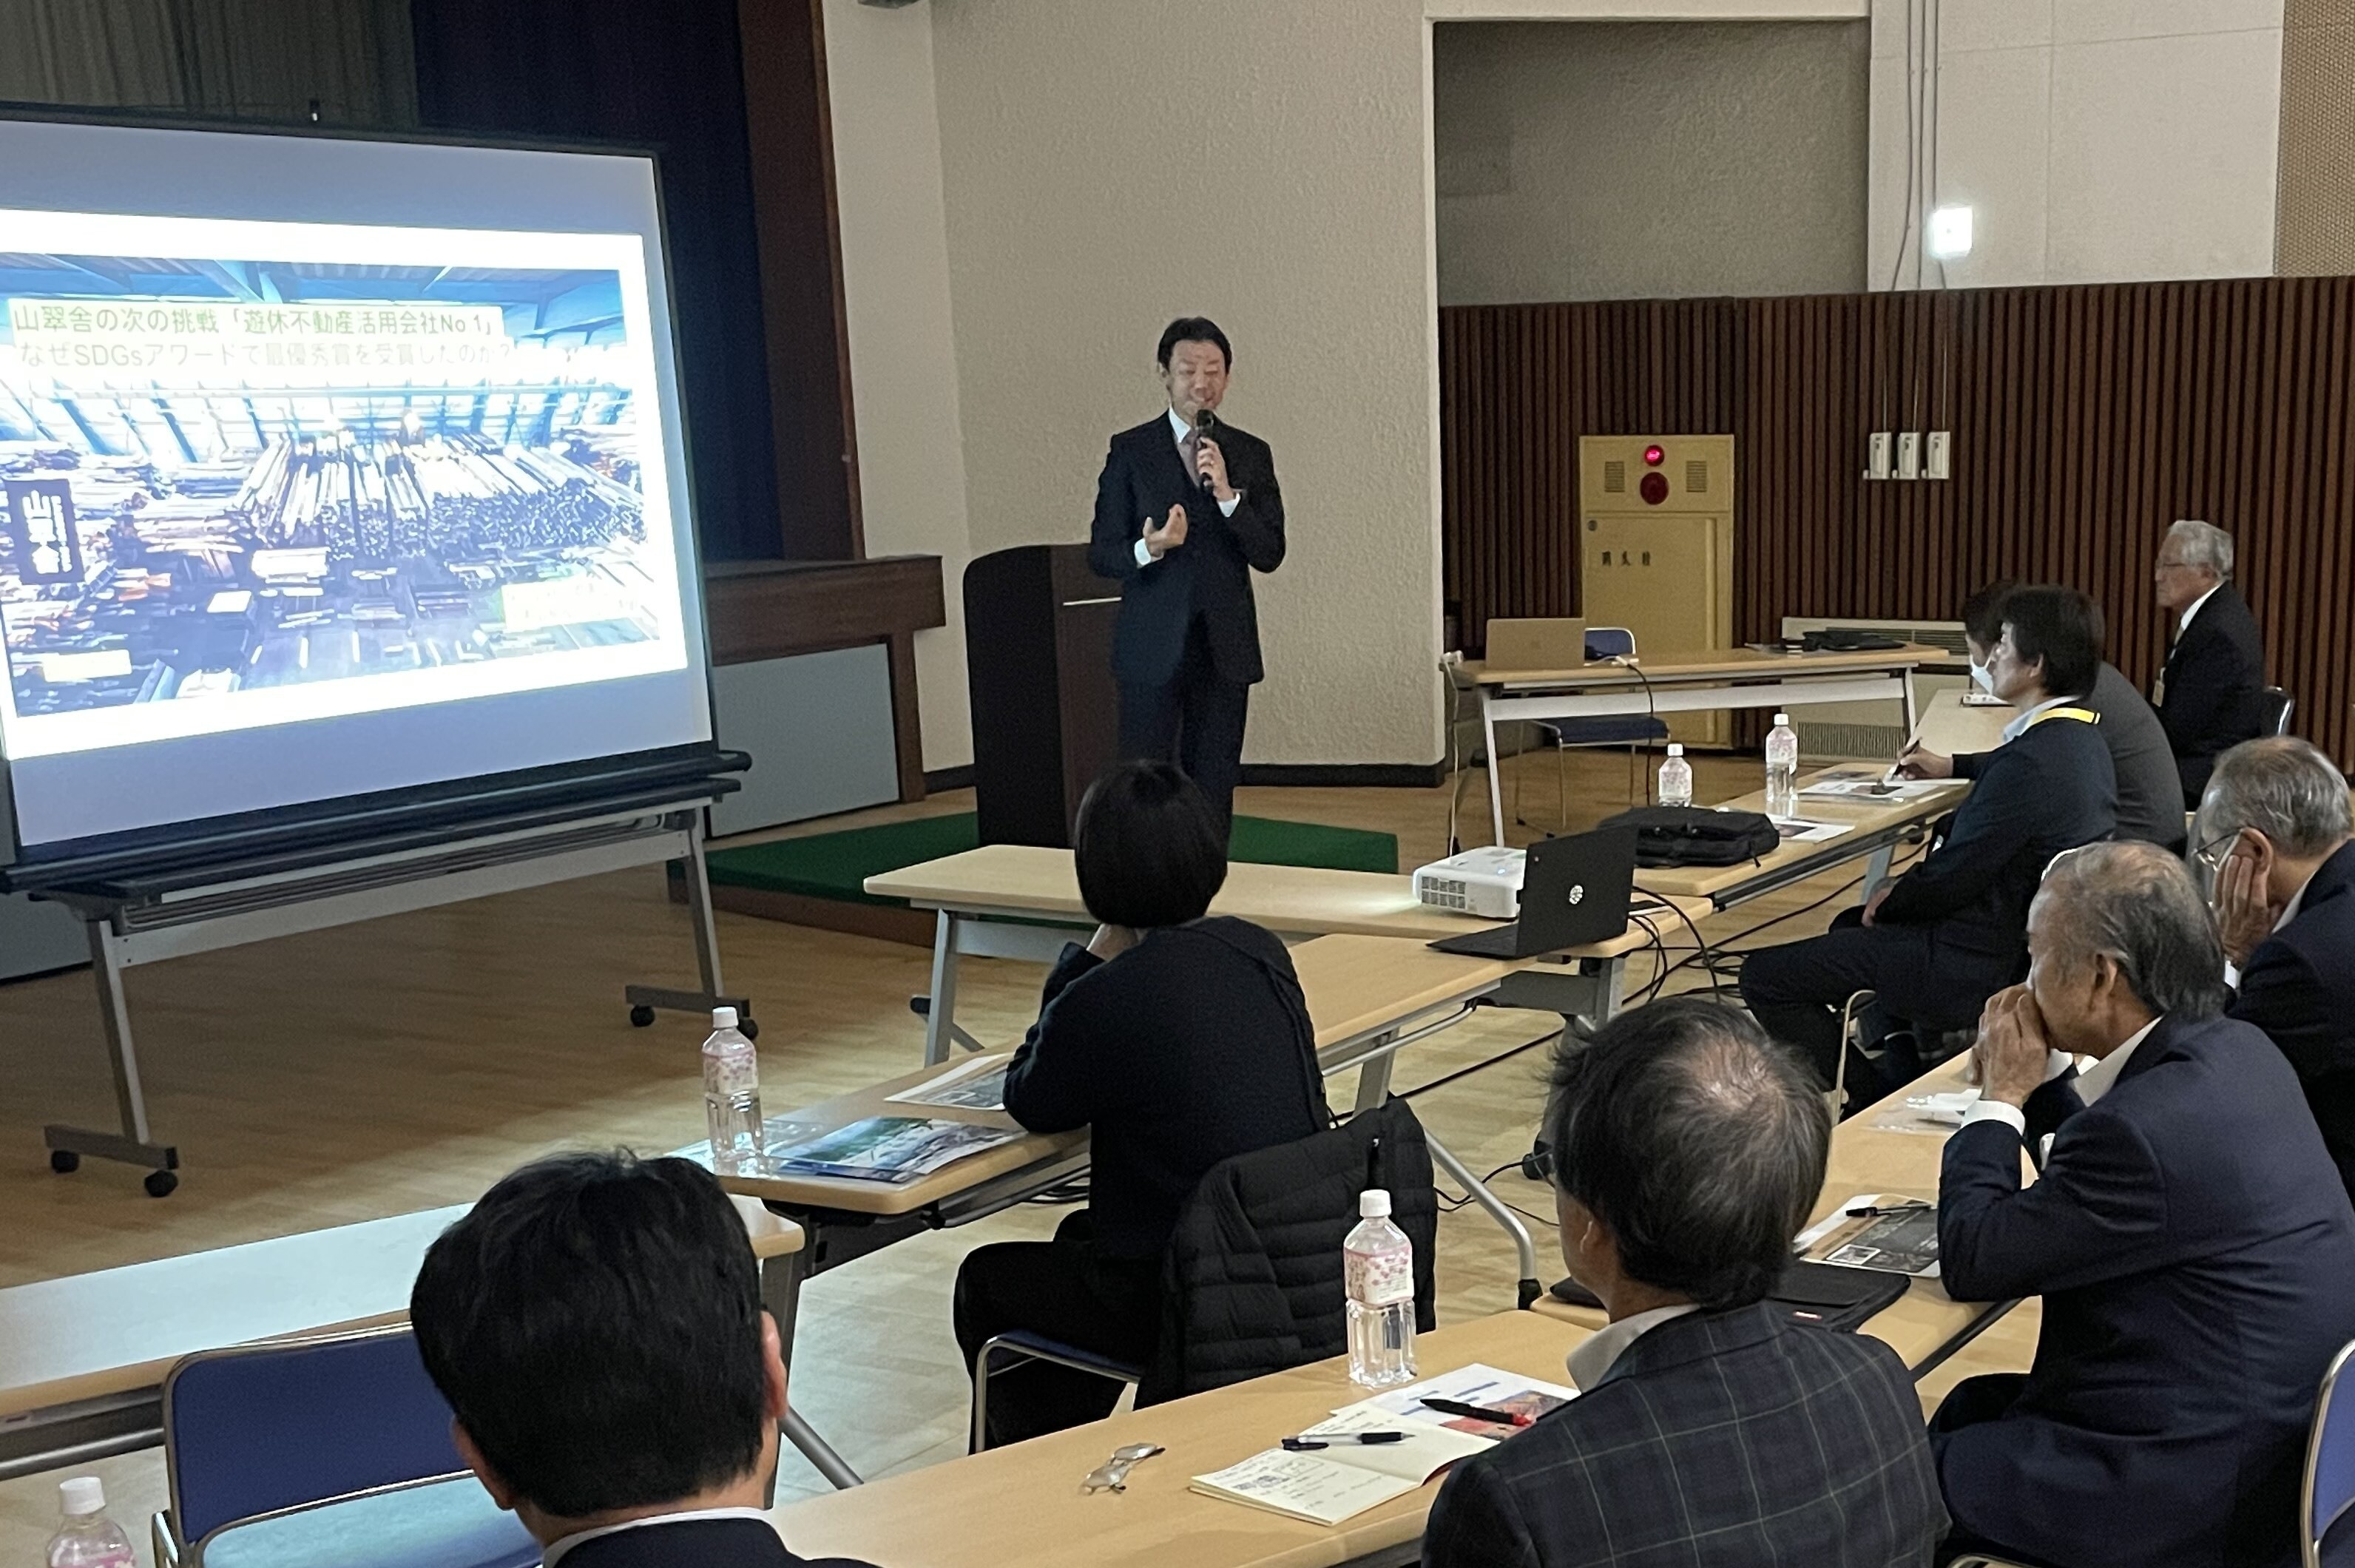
(1909, 455)
(1876, 465)
(1936, 465)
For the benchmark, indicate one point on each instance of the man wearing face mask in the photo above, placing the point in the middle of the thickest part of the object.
(1935, 944)
(2188, 1234)
(2149, 790)
(1187, 509)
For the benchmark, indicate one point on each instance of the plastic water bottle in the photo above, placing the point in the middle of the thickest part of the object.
(731, 1094)
(1676, 777)
(1782, 768)
(88, 1538)
(1377, 1273)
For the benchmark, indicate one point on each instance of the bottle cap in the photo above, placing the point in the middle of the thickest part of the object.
(1373, 1203)
(1782, 718)
(1676, 748)
(723, 1018)
(84, 1494)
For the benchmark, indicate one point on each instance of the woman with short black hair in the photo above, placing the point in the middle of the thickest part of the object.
(1181, 1039)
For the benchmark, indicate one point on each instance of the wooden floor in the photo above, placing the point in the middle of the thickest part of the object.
(383, 1068)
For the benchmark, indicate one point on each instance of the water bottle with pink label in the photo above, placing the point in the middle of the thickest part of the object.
(88, 1538)
(1378, 1274)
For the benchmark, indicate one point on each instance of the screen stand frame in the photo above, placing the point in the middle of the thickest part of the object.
(131, 925)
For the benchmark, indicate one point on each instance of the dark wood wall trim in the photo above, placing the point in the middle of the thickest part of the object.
(774, 609)
(2084, 420)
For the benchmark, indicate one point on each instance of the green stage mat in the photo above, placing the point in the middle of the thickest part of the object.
(837, 864)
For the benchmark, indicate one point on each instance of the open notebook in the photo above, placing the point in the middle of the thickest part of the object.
(1329, 1485)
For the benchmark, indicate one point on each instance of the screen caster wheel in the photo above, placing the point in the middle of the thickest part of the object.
(162, 1183)
(64, 1161)
(751, 1027)
(642, 1018)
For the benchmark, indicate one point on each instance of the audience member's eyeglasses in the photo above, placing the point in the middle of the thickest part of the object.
(1112, 1475)
(2216, 851)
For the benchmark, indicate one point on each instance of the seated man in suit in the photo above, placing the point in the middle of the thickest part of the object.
(2150, 791)
(2189, 1235)
(2275, 829)
(1709, 1427)
(2211, 693)
(595, 1323)
(1936, 943)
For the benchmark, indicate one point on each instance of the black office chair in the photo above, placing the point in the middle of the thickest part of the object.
(1275, 1203)
(2278, 707)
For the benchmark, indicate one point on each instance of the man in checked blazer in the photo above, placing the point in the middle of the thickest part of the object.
(1689, 1149)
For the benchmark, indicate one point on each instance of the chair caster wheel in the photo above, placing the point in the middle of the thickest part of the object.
(640, 1016)
(162, 1183)
(64, 1161)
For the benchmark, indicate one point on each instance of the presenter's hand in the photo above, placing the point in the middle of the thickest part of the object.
(2013, 1051)
(1168, 536)
(1112, 941)
(1920, 762)
(2243, 916)
(1212, 465)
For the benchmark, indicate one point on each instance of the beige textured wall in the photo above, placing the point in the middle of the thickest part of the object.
(2315, 211)
(886, 157)
(1110, 164)
(1648, 160)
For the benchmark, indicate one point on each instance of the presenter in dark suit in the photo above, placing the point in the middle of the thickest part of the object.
(1187, 509)
(2276, 831)
(1709, 1428)
(2210, 693)
(2193, 1247)
(1936, 943)
(595, 1323)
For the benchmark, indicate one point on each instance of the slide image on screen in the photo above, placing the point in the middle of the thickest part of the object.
(239, 489)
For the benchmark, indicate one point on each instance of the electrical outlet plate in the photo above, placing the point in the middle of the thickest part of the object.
(1909, 455)
(1877, 456)
(1936, 465)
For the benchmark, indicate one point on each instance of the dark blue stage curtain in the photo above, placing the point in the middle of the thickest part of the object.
(669, 76)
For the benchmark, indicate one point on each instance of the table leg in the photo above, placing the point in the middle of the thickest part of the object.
(1374, 1079)
(780, 1294)
(1526, 1249)
(940, 1018)
(1496, 791)
(1876, 868)
(133, 1145)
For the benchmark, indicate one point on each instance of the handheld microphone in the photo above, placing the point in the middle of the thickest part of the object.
(1202, 423)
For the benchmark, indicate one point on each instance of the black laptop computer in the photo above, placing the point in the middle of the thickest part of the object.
(1573, 889)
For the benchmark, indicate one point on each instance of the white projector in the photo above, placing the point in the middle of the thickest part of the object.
(1486, 882)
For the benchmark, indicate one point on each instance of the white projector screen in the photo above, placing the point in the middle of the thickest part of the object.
(329, 467)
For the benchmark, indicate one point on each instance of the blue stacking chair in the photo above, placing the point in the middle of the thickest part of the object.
(2328, 1496)
(1630, 729)
(335, 1450)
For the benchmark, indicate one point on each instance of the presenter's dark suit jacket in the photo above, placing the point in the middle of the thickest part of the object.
(2213, 688)
(2197, 1260)
(1208, 575)
(2150, 790)
(2299, 988)
(1720, 1438)
(696, 1543)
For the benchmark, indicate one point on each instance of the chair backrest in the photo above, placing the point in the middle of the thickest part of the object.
(1609, 643)
(1254, 1270)
(2278, 707)
(259, 1429)
(2329, 1490)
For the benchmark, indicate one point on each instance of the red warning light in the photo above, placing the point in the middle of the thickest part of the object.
(1653, 489)
(1654, 457)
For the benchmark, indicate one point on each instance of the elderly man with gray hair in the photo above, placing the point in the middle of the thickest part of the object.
(2211, 693)
(2195, 1254)
(2273, 834)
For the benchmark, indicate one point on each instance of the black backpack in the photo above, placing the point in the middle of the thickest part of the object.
(1689, 836)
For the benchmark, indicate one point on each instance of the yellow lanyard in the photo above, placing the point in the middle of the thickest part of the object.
(2081, 715)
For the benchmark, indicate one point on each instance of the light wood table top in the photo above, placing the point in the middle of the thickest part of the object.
(1923, 1322)
(1024, 1504)
(119, 1330)
(1021, 879)
(1684, 668)
(1353, 986)
(1865, 818)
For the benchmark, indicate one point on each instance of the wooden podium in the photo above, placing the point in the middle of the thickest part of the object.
(1046, 712)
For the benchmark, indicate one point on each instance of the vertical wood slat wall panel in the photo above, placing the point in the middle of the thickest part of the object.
(2084, 420)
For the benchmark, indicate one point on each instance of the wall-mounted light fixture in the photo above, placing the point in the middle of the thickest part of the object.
(1950, 232)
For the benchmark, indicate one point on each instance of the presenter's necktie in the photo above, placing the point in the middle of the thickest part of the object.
(1189, 450)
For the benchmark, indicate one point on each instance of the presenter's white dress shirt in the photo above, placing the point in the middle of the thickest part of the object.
(1144, 556)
